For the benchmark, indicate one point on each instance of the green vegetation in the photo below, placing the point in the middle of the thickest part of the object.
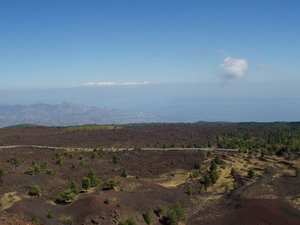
(197, 165)
(94, 180)
(70, 193)
(86, 183)
(36, 168)
(251, 172)
(97, 154)
(159, 210)
(175, 214)
(270, 138)
(1, 171)
(36, 191)
(124, 173)
(50, 172)
(297, 172)
(67, 195)
(212, 176)
(213, 165)
(226, 186)
(173, 163)
(119, 205)
(111, 183)
(73, 187)
(129, 221)
(116, 159)
(233, 172)
(36, 220)
(59, 158)
(49, 215)
(15, 161)
(147, 217)
(106, 201)
(189, 191)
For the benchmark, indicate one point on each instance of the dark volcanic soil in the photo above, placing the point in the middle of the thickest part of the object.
(125, 137)
(261, 212)
(154, 178)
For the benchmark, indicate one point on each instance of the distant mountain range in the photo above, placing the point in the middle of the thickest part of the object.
(67, 114)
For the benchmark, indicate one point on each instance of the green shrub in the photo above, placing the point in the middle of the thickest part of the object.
(207, 181)
(129, 221)
(1, 171)
(226, 186)
(60, 159)
(33, 170)
(233, 172)
(217, 160)
(111, 183)
(189, 191)
(159, 210)
(251, 172)
(235, 185)
(297, 172)
(147, 217)
(94, 180)
(175, 214)
(106, 201)
(50, 172)
(173, 163)
(124, 173)
(36, 191)
(86, 183)
(213, 165)
(214, 176)
(67, 195)
(36, 220)
(195, 174)
(73, 187)
(116, 159)
(15, 161)
(49, 215)
(197, 165)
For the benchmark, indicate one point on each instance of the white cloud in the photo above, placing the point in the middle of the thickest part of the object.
(260, 63)
(234, 67)
(109, 83)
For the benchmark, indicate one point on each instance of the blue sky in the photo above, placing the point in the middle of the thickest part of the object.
(236, 52)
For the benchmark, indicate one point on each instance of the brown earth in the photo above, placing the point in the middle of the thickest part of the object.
(125, 136)
(271, 197)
